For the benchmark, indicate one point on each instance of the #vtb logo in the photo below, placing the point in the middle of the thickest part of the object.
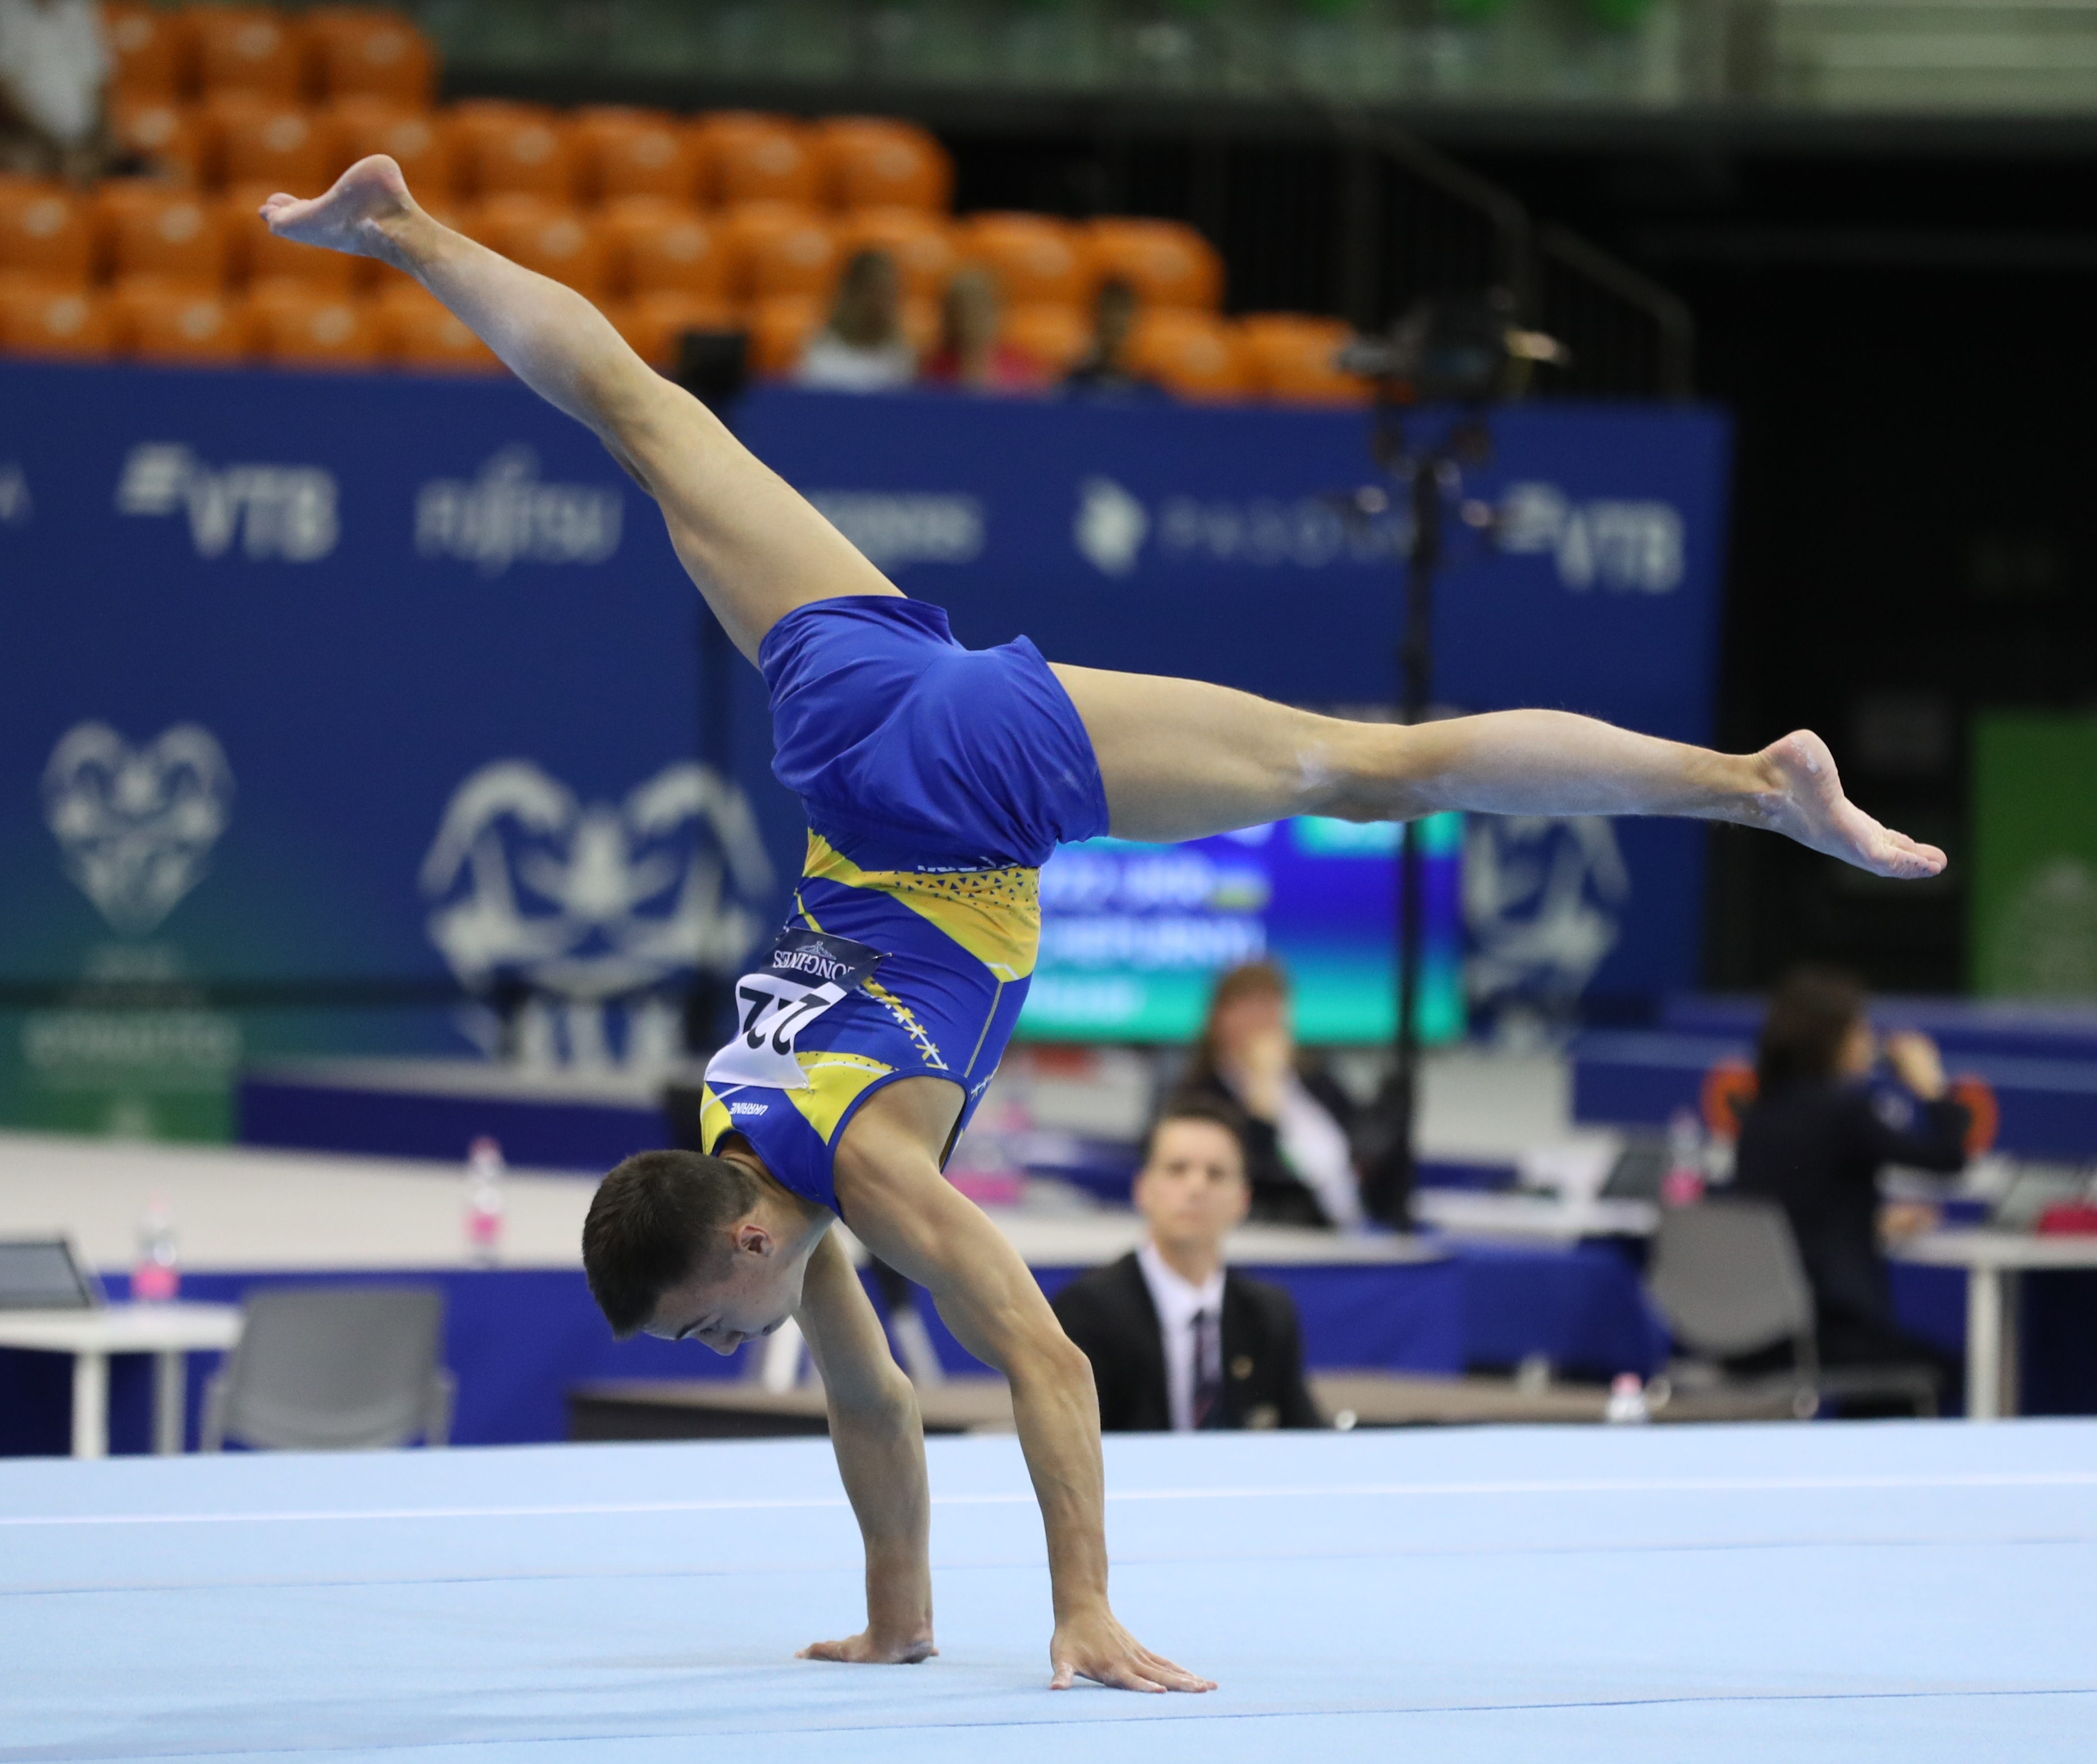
(137, 824)
(591, 900)
(284, 512)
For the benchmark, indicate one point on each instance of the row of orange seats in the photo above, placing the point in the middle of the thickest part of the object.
(633, 245)
(1194, 355)
(486, 147)
(326, 50)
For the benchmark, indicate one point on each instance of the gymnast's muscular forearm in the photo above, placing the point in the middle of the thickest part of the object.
(1553, 763)
(879, 1439)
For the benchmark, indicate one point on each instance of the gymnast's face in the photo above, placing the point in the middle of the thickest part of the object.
(737, 1293)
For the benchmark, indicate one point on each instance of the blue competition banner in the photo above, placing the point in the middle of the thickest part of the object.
(380, 682)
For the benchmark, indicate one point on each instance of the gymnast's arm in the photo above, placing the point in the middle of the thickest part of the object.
(880, 1442)
(906, 1212)
(755, 547)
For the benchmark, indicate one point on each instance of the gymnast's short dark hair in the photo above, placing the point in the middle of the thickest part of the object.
(649, 1225)
(1197, 1105)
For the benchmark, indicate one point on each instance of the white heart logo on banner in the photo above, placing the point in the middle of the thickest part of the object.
(137, 824)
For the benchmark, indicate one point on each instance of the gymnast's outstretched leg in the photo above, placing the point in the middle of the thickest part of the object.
(1181, 759)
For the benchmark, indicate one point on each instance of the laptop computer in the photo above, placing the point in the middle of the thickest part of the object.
(44, 1274)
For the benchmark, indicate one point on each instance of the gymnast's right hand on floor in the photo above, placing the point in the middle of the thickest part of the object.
(1097, 1647)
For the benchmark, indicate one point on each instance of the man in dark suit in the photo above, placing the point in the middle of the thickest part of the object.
(1177, 1342)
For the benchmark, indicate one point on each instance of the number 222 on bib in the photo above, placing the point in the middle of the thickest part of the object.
(805, 974)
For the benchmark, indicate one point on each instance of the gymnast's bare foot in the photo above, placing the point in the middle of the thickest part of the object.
(1804, 798)
(351, 217)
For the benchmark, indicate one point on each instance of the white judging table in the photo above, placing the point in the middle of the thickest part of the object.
(167, 1332)
(1993, 1260)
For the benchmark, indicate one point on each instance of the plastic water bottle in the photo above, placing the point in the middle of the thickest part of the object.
(1627, 1399)
(1682, 1185)
(483, 1200)
(156, 1277)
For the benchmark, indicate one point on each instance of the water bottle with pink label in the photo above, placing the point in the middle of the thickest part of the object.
(156, 1276)
(483, 1200)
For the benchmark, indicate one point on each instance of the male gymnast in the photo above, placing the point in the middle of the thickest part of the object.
(936, 781)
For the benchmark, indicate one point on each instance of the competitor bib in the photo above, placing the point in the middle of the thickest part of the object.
(806, 973)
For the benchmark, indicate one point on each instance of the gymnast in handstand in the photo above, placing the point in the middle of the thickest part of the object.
(936, 781)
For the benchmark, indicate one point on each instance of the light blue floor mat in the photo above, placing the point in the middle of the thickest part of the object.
(1641, 1595)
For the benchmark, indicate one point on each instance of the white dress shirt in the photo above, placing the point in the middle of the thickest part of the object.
(832, 365)
(1313, 1147)
(1178, 1302)
(53, 61)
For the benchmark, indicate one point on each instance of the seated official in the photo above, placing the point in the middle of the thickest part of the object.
(1298, 1122)
(1825, 1121)
(1177, 1341)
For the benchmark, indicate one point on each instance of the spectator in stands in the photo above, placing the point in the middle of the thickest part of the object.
(1298, 1122)
(54, 82)
(1105, 367)
(1833, 1107)
(862, 349)
(1176, 1340)
(969, 354)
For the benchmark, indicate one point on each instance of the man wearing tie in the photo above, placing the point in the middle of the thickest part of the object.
(1176, 1340)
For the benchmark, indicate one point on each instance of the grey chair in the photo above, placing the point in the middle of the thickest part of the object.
(1728, 1275)
(334, 1368)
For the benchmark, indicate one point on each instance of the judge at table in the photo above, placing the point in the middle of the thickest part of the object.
(1177, 1341)
(1833, 1108)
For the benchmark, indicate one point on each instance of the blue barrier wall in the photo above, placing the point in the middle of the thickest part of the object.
(374, 679)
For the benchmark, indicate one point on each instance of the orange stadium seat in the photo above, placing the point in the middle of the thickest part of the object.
(750, 157)
(369, 51)
(513, 150)
(166, 233)
(871, 162)
(249, 49)
(37, 318)
(162, 130)
(799, 258)
(261, 260)
(284, 145)
(780, 329)
(652, 323)
(152, 51)
(46, 232)
(419, 333)
(1192, 355)
(310, 326)
(920, 319)
(625, 152)
(657, 247)
(158, 321)
(421, 141)
(1050, 332)
(776, 247)
(1167, 263)
(1035, 257)
(922, 245)
(556, 243)
(1288, 357)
